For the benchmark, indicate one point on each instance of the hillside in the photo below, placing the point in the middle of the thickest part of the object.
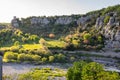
(104, 22)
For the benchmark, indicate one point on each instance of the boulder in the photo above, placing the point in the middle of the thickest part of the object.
(111, 21)
(117, 36)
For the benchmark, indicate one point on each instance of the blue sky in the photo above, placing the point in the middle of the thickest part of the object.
(25, 8)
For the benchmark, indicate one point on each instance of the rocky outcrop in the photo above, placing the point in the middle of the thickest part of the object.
(111, 31)
(38, 20)
(64, 20)
(56, 20)
(15, 22)
(99, 22)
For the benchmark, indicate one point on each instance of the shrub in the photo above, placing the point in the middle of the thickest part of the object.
(10, 56)
(61, 57)
(76, 43)
(21, 57)
(16, 43)
(42, 41)
(69, 46)
(36, 58)
(51, 35)
(72, 58)
(14, 49)
(87, 36)
(51, 58)
(28, 57)
(90, 71)
(44, 59)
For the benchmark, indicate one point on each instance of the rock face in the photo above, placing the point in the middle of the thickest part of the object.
(36, 20)
(15, 22)
(111, 31)
(64, 20)
(99, 22)
(111, 21)
(43, 21)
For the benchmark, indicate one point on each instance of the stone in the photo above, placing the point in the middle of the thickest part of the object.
(64, 20)
(45, 21)
(33, 20)
(116, 44)
(99, 22)
(117, 36)
(81, 21)
(15, 22)
(111, 21)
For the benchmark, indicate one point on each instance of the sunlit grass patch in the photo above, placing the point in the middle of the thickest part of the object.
(55, 44)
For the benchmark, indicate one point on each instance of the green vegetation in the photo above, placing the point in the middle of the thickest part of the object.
(90, 71)
(84, 40)
(10, 37)
(79, 71)
(40, 44)
(35, 53)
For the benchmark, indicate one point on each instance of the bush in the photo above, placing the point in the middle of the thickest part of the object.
(28, 57)
(44, 59)
(69, 46)
(51, 58)
(10, 56)
(61, 57)
(90, 71)
(76, 43)
(14, 49)
(42, 41)
(36, 58)
(21, 57)
(16, 43)
(87, 36)
(72, 58)
(51, 35)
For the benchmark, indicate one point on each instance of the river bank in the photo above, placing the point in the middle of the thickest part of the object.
(14, 68)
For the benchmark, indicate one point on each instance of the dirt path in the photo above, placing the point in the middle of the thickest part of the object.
(14, 68)
(103, 53)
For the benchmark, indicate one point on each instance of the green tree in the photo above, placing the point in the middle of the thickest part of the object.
(90, 71)
(75, 72)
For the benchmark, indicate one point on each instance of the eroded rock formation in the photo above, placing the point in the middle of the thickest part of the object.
(111, 31)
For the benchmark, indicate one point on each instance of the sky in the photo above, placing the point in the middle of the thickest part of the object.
(26, 8)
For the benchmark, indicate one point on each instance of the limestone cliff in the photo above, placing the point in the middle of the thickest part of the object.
(106, 21)
(111, 31)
